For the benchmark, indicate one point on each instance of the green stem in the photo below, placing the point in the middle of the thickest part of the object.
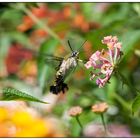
(124, 103)
(103, 122)
(77, 118)
(40, 23)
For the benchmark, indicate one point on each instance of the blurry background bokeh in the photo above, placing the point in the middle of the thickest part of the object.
(27, 29)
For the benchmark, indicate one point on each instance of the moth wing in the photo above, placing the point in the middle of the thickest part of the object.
(54, 62)
(70, 72)
(51, 60)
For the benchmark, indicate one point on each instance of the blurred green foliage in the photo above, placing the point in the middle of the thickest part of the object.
(119, 19)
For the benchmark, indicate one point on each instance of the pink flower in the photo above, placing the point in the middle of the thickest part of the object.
(88, 64)
(105, 61)
(75, 111)
(95, 56)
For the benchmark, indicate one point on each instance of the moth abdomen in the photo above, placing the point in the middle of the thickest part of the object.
(61, 87)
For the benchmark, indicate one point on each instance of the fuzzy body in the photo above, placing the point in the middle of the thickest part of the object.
(65, 68)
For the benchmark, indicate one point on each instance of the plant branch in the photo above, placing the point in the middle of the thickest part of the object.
(40, 23)
(125, 104)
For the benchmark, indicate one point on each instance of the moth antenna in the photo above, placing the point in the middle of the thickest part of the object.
(82, 45)
(70, 46)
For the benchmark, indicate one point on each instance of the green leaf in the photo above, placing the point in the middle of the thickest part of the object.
(136, 7)
(113, 13)
(14, 94)
(136, 104)
(126, 81)
(4, 47)
(129, 39)
(9, 22)
(87, 9)
(20, 38)
(43, 70)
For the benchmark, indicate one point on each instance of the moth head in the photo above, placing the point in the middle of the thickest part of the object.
(75, 54)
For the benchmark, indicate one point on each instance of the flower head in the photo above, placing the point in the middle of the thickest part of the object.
(75, 111)
(100, 107)
(104, 62)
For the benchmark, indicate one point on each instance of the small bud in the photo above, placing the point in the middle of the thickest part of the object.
(75, 111)
(100, 107)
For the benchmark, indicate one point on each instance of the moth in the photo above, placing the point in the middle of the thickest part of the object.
(65, 67)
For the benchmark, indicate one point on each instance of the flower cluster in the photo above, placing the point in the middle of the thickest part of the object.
(100, 107)
(19, 120)
(104, 62)
(75, 111)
